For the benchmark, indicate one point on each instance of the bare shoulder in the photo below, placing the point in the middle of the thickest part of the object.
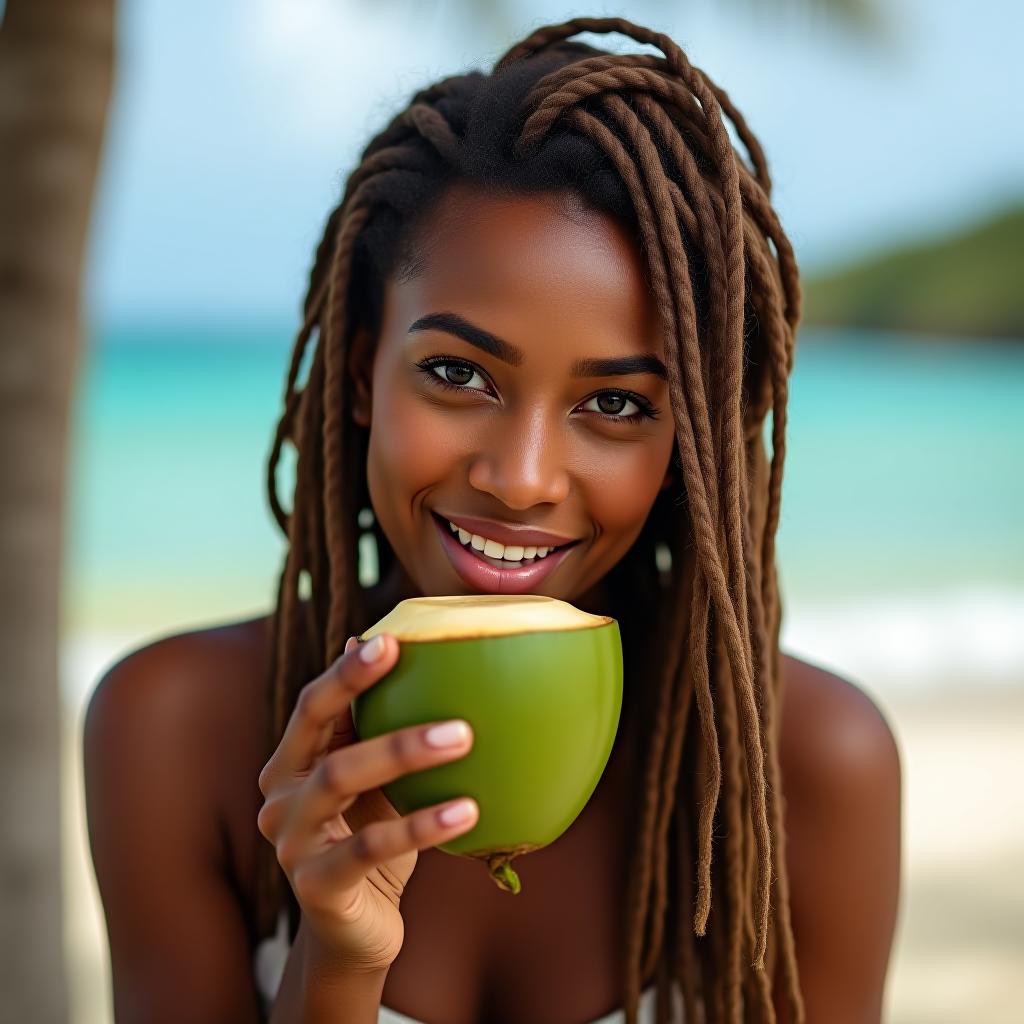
(195, 699)
(831, 729)
(203, 688)
(841, 776)
(188, 679)
(170, 738)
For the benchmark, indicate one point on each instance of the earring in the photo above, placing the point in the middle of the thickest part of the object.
(369, 557)
(663, 562)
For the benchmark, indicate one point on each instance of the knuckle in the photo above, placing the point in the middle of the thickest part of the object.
(316, 699)
(265, 821)
(406, 749)
(306, 702)
(421, 828)
(305, 884)
(266, 777)
(287, 853)
(368, 844)
(340, 670)
(335, 773)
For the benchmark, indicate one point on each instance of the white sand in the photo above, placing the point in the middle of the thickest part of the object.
(960, 940)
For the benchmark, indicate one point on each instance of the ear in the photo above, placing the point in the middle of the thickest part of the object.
(360, 362)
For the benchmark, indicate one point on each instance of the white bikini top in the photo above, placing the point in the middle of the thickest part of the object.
(272, 954)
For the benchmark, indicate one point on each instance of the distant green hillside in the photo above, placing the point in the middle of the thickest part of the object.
(971, 284)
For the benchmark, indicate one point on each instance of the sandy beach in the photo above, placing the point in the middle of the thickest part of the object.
(959, 953)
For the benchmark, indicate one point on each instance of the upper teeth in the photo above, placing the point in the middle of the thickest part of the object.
(495, 549)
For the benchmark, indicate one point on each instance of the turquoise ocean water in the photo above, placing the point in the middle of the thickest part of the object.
(903, 493)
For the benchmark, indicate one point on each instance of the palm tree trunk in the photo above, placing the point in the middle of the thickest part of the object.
(56, 69)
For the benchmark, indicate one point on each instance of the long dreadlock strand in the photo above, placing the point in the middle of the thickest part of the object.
(695, 481)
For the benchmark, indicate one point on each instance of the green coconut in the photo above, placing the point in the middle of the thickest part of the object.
(539, 681)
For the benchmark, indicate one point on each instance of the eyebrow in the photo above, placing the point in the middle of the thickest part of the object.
(452, 323)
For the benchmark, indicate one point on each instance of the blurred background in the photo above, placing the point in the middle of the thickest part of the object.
(892, 130)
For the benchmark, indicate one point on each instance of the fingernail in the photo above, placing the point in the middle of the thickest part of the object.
(373, 650)
(447, 734)
(348, 643)
(457, 813)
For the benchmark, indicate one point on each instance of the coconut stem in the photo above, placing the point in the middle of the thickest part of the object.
(504, 877)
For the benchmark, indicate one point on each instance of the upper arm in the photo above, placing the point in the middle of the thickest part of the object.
(841, 781)
(178, 942)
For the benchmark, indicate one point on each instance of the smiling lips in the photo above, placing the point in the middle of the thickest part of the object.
(516, 534)
(502, 555)
(475, 561)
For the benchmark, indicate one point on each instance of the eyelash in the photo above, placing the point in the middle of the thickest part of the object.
(647, 411)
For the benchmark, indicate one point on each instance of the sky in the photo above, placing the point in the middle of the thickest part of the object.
(235, 124)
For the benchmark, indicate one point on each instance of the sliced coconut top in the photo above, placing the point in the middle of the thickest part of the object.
(463, 616)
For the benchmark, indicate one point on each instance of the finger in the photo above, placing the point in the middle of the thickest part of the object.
(343, 865)
(324, 709)
(343, 774)
(275, 809)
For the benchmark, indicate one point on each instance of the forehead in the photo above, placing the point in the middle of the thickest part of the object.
(535, 263)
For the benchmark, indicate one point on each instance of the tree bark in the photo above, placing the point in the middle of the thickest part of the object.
(56, 70)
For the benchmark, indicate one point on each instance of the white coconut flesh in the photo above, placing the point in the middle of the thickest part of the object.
(461, 617)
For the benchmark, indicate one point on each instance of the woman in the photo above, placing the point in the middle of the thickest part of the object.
(552, 311)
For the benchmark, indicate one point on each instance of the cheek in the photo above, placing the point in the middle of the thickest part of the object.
(623, 485)
(412, 445)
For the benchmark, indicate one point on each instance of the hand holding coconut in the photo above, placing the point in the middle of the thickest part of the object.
(539, 680)
(347, 852)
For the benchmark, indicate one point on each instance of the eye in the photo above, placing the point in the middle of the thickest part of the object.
(450, 373)
(611, 404)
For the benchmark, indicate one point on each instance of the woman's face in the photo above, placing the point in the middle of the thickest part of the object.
(531, 431)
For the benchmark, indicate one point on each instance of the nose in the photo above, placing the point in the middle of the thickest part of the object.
(522, 464)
